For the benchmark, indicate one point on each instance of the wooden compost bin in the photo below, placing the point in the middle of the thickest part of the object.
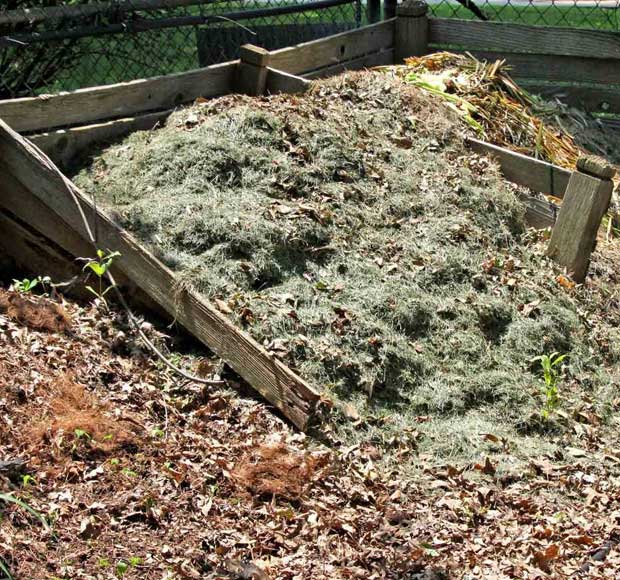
(46, 221)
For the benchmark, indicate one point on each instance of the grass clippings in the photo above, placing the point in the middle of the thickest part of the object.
(352, 233)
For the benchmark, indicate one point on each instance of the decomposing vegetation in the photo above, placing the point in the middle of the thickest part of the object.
(352, 233)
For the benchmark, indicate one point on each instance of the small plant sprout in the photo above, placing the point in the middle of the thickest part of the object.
(27, 285)
(550, 365)
(99, 267)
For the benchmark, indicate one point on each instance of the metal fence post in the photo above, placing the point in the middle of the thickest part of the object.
(411, 29)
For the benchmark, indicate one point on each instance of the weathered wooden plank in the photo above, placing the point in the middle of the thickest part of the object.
(503, 36)
(281, 82)
(268, 375)
(540, 213)
(411, 33)
(594, 99)
(65, 145)
(380, 58)
(252, 70)
(574, 236)
(336, 49)
(549, 68)
(526, 171)
(117, 101)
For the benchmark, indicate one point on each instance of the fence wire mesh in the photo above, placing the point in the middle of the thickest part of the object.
(593, 14)
(78, 44)
(49, 45)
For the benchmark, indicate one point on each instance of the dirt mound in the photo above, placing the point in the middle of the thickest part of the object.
(351, 232)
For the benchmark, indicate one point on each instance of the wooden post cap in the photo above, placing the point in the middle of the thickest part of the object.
(596, 166)
(254, 55)
(412, 8)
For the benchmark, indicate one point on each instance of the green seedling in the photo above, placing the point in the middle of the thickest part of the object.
(5, 570)
(99, 267)
(28, 480)
(551, 376)
(27, 285)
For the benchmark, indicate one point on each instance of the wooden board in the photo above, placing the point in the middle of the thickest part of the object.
(268, 375)
(64, 146)
(502, 36)
(595, 99)
(574, 235)
(382, 57)
(549, 68)
(281, 82)
(116, 101)
(336, 49)
(526, 171)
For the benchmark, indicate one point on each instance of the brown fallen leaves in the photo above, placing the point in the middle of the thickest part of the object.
(211, 485)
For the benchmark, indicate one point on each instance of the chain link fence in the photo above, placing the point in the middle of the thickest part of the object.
(48, 46)
(593, 14)
(46, 49)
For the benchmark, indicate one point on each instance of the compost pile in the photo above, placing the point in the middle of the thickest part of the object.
(351, 232)
(489, 100)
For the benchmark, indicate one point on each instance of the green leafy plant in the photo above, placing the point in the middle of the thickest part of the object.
(28, 480)
(550, 365)
(27, 285)
(99, 267)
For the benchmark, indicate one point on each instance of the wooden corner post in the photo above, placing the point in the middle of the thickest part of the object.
(585, 202)
(252, 70)
(411, 29)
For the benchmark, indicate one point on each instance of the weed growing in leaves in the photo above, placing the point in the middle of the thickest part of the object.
(550, 365)
(27, 285)
(99, 267)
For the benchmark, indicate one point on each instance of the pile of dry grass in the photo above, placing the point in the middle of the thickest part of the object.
(352, 233)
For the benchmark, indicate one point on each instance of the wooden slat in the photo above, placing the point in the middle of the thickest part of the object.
(594, 99)
(281, 82)
(64, 146)
(268, 375)
(574, 236)
(336, 49)
(540, 213)
(377, 59)
(549, 68)
(502, 36)
(116, 101)
(526, 171)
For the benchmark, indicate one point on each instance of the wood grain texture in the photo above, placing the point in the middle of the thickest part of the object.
(411, 32)
(595, 99)
(502, 36)
(526, 171)
(281, 82)
(549, 68)
(380, 58)
(268, 375)
(334, 50)
(117, 101)
(64, 146)
(574, 236)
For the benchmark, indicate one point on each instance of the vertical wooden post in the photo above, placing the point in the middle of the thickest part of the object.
(585, 202)
(389, 9)
(373, 10)
(252, 70)
(411, 29)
